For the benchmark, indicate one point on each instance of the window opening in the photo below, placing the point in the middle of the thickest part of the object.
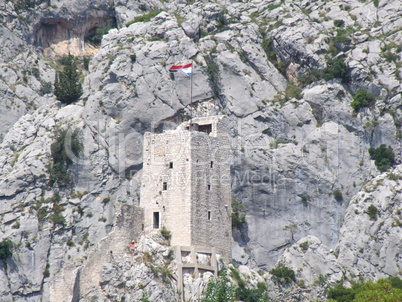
(209, 187)
(209, 215)
(165, 186)
(171, 165)
(212, 164)
(156, 220)
(205, 128)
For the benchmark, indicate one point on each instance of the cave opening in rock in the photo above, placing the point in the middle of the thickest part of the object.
(51, 32)
(60, 37)
(95, 34)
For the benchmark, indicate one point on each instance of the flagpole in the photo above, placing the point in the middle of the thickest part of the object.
(191, 95)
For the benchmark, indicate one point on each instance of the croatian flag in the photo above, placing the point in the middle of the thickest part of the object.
(187, 68)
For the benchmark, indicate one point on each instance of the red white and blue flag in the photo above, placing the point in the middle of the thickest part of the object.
(186, 68)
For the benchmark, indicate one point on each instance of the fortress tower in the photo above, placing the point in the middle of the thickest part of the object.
(186, 184)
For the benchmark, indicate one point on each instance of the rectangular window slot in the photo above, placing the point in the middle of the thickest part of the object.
(209, 215)
(171, 165)
(205, 128)
(156, 220)
(212, 164)
(209, 187)
(165, 186)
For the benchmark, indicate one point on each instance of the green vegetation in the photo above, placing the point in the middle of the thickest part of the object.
(292, 228)
(389, 290)
(243, 293)
(293, 91)
(372, 211)
(339, 23)
(362, 99)
(144, 18)
(46, 272)
(23, 4)
(338, 195)
(272, 56)
(304, 246)
(46, 88)
(213, 74)
(220, 290)
(222, 20)
(5, 248)
(133, 58)
(96, 39)
(67, 87)
(238, 218)
(283, 275)
(61, 160)
(336, 68)
(384, 157)
(310, 77)
(166, 233)
(390, 57)
(85, 62)
(145, 297)
(106, 200)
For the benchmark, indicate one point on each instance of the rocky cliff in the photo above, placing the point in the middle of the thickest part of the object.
(284, 72)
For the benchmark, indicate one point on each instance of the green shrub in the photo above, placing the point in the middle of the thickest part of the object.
(238, 218)
(166, 233)
(336, 68)
(85, 62)
(341, 37)
(144, 18)
(67, 86)
(283, 275)
(46, 272)
(57, 217)
(46, 88)
(96, 39)
(293, 91)
(133, 58)
(382, 290)
(383, 156)
(337, 195)
(304, 246)
(213, 74)
(220, 290)
(372, 211)
(145, 297)
(310, 77)
(343, 294)
(395, 282)
(339, 23)
(252, 294)
(362, 99)
(59, 168)
(390, 57)
(5, 248)
(106, 200)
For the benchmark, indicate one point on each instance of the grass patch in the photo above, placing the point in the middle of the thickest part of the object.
(144, 18)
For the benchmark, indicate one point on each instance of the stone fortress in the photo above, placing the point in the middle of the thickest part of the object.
(186, 184)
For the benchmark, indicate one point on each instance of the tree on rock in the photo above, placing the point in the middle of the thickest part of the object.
(384, 157)
(67, 87)
(362, 99)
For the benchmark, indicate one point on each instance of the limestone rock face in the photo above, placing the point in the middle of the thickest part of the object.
(300, 161)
